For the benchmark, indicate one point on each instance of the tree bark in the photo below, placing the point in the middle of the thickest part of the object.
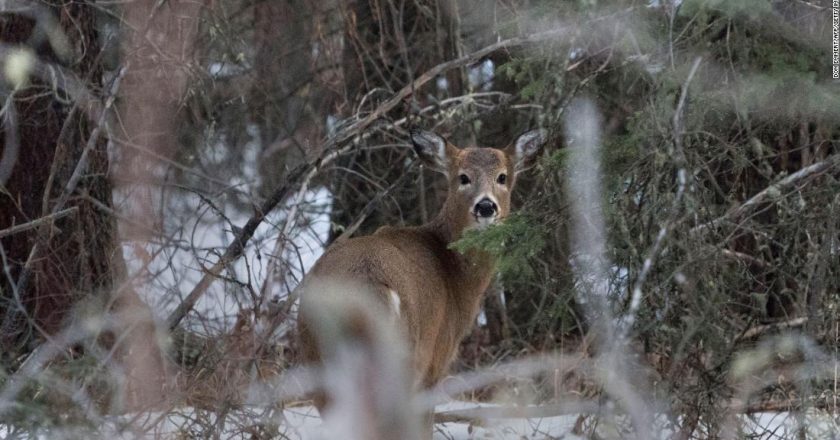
(76, 252)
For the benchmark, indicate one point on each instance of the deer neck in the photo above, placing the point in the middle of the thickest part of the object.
(473, 269)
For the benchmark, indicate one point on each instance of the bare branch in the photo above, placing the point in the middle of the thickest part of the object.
(432, 73)
(478, 415)
(760, 330)
(236, 248)
(38, 222)
(798, 178)
(636, 298)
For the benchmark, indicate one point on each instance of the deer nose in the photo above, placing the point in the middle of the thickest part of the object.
(485, 208)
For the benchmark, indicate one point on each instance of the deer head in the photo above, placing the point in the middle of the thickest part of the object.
(480, 179)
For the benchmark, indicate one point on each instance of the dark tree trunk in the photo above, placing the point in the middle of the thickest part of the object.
(287, 100)
(74, 254)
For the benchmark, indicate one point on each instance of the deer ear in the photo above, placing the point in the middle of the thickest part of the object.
(431, 149)
(525, 150)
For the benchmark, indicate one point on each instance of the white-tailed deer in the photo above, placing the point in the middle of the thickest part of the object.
(432, 291)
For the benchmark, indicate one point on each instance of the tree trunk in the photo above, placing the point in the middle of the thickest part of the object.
(74, 254)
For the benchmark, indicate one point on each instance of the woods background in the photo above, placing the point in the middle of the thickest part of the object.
(169, 169)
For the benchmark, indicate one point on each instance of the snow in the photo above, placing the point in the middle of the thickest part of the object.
(304, 423)
(517, 428)
(765, 426)
(199, 224)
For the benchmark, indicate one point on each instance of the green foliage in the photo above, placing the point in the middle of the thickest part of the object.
(513, 242)
(517, 69)
(532, 89)
(529, 74)
(555, 161)
(619, 154)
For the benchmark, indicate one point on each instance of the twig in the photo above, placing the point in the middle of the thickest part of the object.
(636, 297)
(37, 222)
(237, 247)
(290, 221)
(81, 165)
(80, 93)
(770, 192)
(476, 416)
(432, 73)
(11, 148)
(749, 259)
(811, 5)
(368, 209)
(519, 368)
(759, 330)
(35, 361)
(78, 172)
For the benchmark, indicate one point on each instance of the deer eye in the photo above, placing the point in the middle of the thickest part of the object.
(502, 179)
(465, 180)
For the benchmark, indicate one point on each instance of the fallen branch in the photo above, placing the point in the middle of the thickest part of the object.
(477, 415)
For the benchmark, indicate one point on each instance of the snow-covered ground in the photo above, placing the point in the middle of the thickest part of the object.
(307, 424)
(766, 426)
(304, 423)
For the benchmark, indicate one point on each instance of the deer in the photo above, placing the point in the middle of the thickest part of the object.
(431, 292)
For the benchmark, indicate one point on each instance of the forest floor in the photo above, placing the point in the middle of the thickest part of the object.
(307, 425)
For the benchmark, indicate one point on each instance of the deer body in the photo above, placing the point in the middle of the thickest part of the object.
(432, 291)
(435, 291)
